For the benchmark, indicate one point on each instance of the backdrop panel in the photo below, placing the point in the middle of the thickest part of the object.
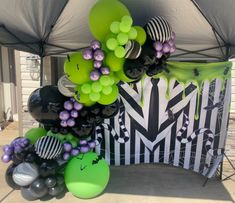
(170, 122)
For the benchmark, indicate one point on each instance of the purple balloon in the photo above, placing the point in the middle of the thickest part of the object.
(8, 149)
(84, 149)
(166, 48)
(83, 142)
(77, 106)
(99, 55)
(68, 105)
(157, 46)
(87, 54)
(71, 122)
(72, 99)
(6, 158)
(104, 70)
(94, 75)
(97, 64)
(63, 124)
(171, 42)
(91, 144)
(17, 148)
(74, 152)
(95, 45)
(158, 54)
(64, 115)
(67, 147)
(172, 49)
(74, 114)
(25, 141)
(66, 156)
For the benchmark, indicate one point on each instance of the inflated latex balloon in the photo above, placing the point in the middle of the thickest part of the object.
(65, 86)
(83, 98)
(86, 175)
(133, 69)
(103, 14)
(45, 103)
(48, 168)
(109, 111)
(25, 173)
(8, 177)
(141, 35)
(38, 188)
(113, 62)
(28, 194)
(83, 129)
(110, 98)
(34, 134)
(122, 77)
(77, 68)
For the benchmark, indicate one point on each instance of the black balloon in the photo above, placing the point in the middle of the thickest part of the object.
(38, 188)
(16, 160)
(8, 177)
(50, 181)
(45, 103)
(83, 129)
(30, 158)
(109, 111)
(133, 69)
(60, 179)
(28, 194)
(48, 168)
(55, 191)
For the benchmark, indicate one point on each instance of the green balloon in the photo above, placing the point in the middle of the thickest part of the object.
(120, 52)
(103, 14)
(124, 27)
(105, 80)
(34, 134)
(73, 143)
(111, 43)
(113, 62)
(127, 20)
(110, 98)
(114, 27)
(122, 38)
(78, 69)
(86, 175)
(141, 35)
(86, 88)
(83, 98)
(96, 86)
(94, 96)
(121, 76)
(107, 90)
(132, 33)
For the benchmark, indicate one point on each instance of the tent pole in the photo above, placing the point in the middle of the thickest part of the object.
(41, 71)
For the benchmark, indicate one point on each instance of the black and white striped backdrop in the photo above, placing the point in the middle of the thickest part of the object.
(151, 128)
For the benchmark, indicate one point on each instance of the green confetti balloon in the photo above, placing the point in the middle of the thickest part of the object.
(107, 90)
(111, 43)
(103, 14)
(96, 87)
(114, 27)
(132, 33)
(122, 38)
(113, 62)
(110, 98)
(119, 52)
(141, 35)
(105, 80)
(86, 88)
(34, 134)
(86, 175)
(78, 69)
(94, 96)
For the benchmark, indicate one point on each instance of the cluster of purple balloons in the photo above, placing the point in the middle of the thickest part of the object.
(83, 147)
(97, 55)
(71, 112)
(16, 146)
(166, 47)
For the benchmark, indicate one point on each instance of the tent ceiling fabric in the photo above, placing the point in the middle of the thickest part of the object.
(52, 27)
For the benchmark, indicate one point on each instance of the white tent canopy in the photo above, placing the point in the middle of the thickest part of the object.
(204, 28)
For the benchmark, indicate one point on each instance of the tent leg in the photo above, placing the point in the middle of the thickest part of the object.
(41, 71)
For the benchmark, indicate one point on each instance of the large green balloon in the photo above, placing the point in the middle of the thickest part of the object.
(34, 134)
(121, 76)
(103, 14)
(113, 62)
(78, 69)
(110, 98)
(141, 35)
(86, 175)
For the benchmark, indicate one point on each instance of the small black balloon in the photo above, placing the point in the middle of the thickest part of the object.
(60, 179)
(48, 168)
(15, 160)
(95, 109)
(45, 103)
(8, 177)
(30, 158)
(133, 69)
(21, 155)
(38, 188)
(50, 181)
(83, 129)
(28, 194)
(109, 111)
(55, 191)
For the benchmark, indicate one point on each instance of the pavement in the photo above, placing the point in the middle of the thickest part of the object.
(144, 183)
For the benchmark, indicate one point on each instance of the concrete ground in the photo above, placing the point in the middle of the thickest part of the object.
(146, 183)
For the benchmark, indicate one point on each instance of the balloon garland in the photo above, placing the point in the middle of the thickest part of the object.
(46, 159)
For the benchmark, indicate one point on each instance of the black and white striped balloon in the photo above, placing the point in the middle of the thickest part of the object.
(158, 29)
(48, 147)
(133, 49)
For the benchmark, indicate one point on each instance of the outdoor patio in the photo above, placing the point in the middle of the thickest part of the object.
(145, 183)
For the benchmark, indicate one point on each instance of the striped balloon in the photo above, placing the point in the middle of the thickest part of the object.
(158, 29)
(48, 147)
